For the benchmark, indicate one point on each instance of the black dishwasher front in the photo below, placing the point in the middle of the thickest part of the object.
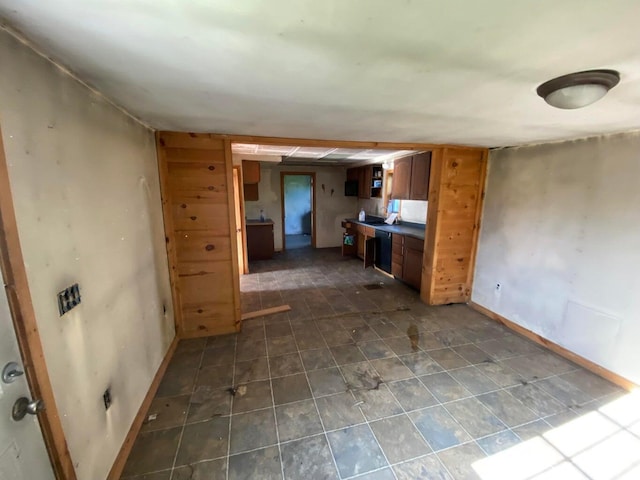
(383, 250)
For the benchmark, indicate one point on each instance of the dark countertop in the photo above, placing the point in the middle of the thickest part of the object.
(413, 229)
(266, 221)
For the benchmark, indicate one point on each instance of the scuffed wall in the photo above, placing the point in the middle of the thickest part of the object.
(331, 209)
(560, 234)
(85, 185)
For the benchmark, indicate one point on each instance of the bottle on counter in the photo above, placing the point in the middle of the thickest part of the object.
(261, 215)
(362, 216)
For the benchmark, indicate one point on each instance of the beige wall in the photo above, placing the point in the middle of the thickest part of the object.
(560, 235)
(85, 185)
(330, 209)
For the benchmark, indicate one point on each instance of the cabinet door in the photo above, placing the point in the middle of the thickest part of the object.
(369, 252)
(250, 172)
(420, 176)
(401, 187)
(397, 255)
(364, 182)
(412, 267)
(353, 174)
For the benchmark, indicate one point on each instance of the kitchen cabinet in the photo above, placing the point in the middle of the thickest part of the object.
(260, 239)
(401, 187)
(367, 176)
(420, 166)
(406, 259)
(250, 172)
(411, 177)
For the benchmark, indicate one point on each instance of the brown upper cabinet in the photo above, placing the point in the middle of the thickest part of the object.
(250, 172)
(368, 177)
(411, 177)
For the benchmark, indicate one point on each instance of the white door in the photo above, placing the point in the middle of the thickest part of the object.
(22, 452)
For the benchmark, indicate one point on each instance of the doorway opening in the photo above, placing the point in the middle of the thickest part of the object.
(298, 209)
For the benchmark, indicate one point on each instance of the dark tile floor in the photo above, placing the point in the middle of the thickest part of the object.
(360, 379)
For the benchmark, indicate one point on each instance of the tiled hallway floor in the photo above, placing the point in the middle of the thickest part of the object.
(366, 383)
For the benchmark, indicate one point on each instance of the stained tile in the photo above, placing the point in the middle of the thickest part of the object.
(420, 363)
(459, 460)
(360, 376)
(204, 441)
(474, 417)
(252, 430)
(448, 358)
(339, 411)
(356, 450)
(211, 470)
(153, 451)
(281, 345)
(317, 359)
(439, 428)
(221, 340)
(473, 380)
(498, 442)
(536, 399)
(307, 341)
(401, 345)
(165, 413)
(297, 420)
(564, 392)
(399, 439)
(251, 370)
(427, 467)
(591, 384)
(263, 464)
(377, 403)
(471, 353)
(345, 354)
(363, 334)
(218, 356)
(207, 403)
(337, 336)
(214, 376)
(290, 389)
(326, 382)
(444, 387)
(391, 369)
(387, 330)
(450, 337)
(309, 458)
(176, 382)
(285, 365)
(507, 408)
(500, 374)
(412, 394)
(280, 329)
(252, 396)
(376, 349)
(248, 350)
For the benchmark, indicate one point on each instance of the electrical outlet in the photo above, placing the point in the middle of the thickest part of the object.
(106, 398)
(68, 298)
(498, 287)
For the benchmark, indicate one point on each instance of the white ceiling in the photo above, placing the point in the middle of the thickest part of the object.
(315, 155)
(458, 71)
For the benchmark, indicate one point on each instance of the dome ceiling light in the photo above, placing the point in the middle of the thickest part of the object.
(577, 90)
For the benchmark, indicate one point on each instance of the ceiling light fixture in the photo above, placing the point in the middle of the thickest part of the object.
(577, 90)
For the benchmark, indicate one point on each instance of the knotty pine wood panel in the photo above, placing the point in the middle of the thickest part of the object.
(455, 200)
(197, 203)
(198, 216)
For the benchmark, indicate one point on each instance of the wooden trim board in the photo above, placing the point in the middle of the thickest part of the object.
(136, 425)
(233, 237)
(554, 347)
(26, 329)
(266, 311)
(476, 230)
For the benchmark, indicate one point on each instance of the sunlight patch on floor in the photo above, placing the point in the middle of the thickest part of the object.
(601, 445)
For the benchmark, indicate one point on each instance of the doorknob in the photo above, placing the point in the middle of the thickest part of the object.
(10, 372)
(23, 406)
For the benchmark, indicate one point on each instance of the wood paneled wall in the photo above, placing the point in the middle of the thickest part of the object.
(453, 222)
(197, 201)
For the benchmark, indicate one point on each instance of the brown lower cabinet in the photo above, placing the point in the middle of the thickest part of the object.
(260, 240)
(406, 259)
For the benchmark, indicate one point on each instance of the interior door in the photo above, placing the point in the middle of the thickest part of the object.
(23, 455)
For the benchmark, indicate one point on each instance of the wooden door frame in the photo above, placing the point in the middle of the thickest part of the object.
(313, 205)
(26, 330)
(243, 226)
